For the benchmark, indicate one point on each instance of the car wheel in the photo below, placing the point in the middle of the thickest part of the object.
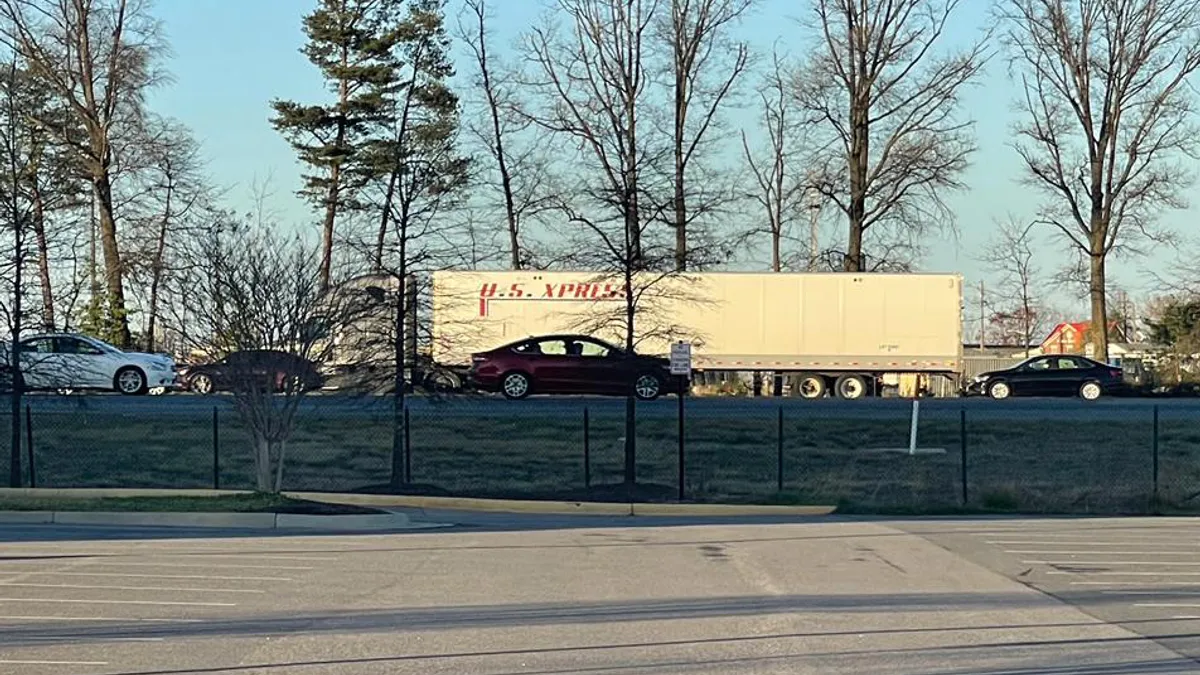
(130, 381)
(647, 387)
(201, 384)
(810, 386)
(999, 390)
(441, 382)
(850, 387)
(1090, 391)
(516, 386)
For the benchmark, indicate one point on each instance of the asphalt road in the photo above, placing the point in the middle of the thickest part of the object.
(468, 406)
(621, 596)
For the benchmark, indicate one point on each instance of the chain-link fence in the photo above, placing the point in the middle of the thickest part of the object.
(1069, 457)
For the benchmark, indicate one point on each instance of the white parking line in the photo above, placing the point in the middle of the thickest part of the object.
(1126, 574)
(31, 558)
(76, 636)
(1169, 593)
(138, 588)
(1043, 552)
(158, 576)
(165, 603)
(207, 567)
(53, 663)
(15, 617)
(1066, 541)
(1166, 604)
(1154, 563)
(1135, 583)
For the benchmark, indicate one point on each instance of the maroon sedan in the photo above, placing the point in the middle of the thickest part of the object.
(569, 364)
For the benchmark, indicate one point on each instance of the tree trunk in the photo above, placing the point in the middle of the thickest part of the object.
(156, 271)
(1099, 308)
(681, 250)
(384, 219)
(16, 477)
(282, 445)
(331, 202)
(776, 264)
(262, 463)
(335, 177)
(399, 447)
(858, 163)
(43, 255)
(114, 284)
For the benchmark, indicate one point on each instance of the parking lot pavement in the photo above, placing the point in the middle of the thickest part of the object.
(1142, 574)
(804, 597)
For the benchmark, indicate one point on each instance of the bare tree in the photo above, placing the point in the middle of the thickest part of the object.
(591, 80)
(1108, 114)
(17, 144)
(174, 191)
(777, 190)
(1011, 256)
(705, 66)
(253, 290)
(517, 154)
(883, 103)
(98, 56)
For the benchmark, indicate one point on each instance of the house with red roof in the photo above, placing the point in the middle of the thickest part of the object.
(1067, 338)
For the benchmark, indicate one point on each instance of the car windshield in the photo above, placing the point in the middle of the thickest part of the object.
(104, 346)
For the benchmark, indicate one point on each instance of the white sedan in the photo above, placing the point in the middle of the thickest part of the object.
(68, 361)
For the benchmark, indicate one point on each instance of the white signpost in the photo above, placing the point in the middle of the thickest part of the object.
(681, 358)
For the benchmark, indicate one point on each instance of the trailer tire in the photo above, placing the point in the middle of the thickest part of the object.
(850, 387)
(810, 386)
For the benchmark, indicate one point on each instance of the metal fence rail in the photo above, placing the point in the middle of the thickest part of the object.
(1145, 460)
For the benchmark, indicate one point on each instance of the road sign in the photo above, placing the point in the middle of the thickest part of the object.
(681, 358)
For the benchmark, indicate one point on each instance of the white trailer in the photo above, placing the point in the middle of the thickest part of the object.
(842, 333)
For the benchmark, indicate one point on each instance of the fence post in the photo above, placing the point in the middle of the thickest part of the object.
(779, 452)
(29, 444)
(587, 450)
(682, 471)
(1155, 460)
(407, 448)
(962, 444)
(216, 447)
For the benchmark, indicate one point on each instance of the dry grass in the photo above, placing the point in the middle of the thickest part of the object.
(1034, 466)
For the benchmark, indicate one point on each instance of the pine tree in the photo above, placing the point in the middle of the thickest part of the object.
(351, 42)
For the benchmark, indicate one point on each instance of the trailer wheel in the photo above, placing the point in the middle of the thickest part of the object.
(850, 387)
(810, 386)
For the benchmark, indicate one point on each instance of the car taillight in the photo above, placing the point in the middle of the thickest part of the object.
(1116, 373)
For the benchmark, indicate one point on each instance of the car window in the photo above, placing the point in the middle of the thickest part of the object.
(527, 348)
(39, 346)
(76, 346)
(1039, 365)
(593, 350)
(553, 347)
(1068, 363)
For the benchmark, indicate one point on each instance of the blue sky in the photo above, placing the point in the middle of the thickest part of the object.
(231, 57)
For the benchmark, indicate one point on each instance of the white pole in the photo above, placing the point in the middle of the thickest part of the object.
(912, 432)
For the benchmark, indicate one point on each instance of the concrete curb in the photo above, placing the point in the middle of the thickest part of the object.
(563, 508)
(101, 493)
(256, 521)
(449, 503)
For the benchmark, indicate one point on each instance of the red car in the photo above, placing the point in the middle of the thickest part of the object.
(570, 364)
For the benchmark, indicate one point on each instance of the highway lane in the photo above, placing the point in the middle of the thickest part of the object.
(1110, 409)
